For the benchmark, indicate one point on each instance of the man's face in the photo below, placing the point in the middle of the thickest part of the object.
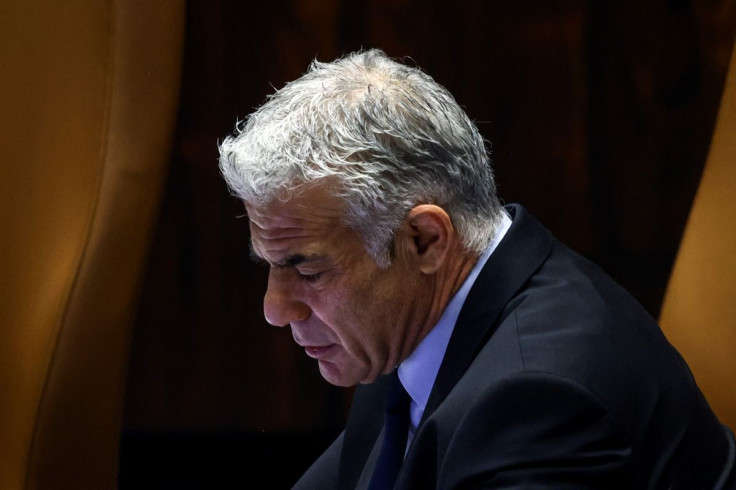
(353, 317)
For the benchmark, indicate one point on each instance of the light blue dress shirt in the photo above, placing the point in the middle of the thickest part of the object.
(419, 371)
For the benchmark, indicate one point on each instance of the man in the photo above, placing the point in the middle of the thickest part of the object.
(371, 199)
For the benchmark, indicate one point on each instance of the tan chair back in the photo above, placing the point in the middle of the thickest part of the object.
(699, 311)
(88, 97)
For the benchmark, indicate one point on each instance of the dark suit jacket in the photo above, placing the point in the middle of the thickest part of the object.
(554, 378)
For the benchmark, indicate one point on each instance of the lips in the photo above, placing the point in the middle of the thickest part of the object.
(319, 352)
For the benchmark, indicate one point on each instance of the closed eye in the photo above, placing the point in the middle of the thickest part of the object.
(310, 277)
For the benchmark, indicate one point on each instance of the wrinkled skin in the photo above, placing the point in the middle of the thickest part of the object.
(356, 319)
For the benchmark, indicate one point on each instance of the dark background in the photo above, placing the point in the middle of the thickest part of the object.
(599, 113)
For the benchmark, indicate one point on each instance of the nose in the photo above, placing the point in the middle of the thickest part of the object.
(280, 305)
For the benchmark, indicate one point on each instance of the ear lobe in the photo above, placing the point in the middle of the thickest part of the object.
(430, 229)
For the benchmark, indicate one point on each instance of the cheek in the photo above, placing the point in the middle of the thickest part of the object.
(367, 309)
(372, 313)
(354, 314)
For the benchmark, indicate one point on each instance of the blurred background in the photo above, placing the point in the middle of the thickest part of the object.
(599, 113)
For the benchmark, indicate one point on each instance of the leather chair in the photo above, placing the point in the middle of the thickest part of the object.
(699, 312)
(88, 97)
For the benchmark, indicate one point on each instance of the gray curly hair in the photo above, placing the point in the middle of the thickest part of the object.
(385, 134)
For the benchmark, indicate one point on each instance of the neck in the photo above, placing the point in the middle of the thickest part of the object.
(442, 286)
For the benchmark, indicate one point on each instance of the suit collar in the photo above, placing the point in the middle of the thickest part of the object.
(526, 245)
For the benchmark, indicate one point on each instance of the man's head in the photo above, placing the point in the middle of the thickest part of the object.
(369, 194)
(384, 135)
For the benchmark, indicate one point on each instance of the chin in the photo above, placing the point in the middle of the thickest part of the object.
(334, 375)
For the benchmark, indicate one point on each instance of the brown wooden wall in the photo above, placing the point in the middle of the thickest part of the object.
(599, 111)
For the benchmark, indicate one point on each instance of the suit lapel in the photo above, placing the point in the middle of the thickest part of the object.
(525, 246)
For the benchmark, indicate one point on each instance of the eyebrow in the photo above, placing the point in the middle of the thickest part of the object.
(290, 261)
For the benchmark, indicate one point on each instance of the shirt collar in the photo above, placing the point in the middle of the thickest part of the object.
(419, 371)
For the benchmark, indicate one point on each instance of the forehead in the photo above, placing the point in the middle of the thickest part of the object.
(309, 217)
(311, 207)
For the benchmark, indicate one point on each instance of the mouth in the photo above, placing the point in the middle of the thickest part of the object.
(319, 352)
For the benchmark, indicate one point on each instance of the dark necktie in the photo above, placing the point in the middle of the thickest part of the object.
(396, 430)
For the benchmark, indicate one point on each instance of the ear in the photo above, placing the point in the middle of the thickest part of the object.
(430, 234)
